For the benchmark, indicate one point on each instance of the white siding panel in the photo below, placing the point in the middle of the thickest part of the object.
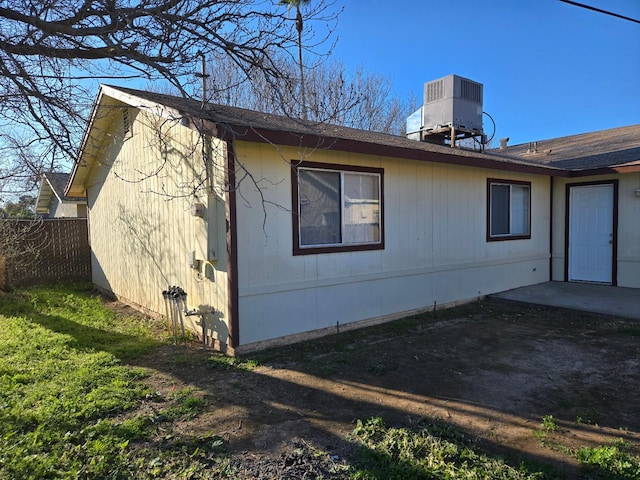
(69, 210)
(293, 311)
(405, 293)
(435, 246)
(142, 230)
(628, 262)
(317, 306)
(629, 231)
(313, 308)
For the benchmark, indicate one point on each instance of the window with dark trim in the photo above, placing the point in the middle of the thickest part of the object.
(508, 210)
(336, 208)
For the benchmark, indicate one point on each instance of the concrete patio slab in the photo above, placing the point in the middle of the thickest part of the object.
(620, 301)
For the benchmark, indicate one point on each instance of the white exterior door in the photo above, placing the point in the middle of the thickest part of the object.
(591, 234)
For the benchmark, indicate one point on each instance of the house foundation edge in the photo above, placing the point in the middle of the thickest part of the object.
(346, 327)
(211, 343)
(216, 345)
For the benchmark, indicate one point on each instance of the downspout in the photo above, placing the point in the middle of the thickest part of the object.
(551, 228)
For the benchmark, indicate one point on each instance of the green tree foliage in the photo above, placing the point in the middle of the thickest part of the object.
(23, 208)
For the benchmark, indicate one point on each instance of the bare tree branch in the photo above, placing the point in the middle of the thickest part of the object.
(45, 45)
(333, 95)
(20, 244)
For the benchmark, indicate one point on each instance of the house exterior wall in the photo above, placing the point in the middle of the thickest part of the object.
(628, 239)
(143, 234)
(81, 210)
(68, 210)
(435, 252)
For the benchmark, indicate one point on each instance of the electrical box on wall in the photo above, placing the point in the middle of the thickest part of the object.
(194, 262)
(197, 209)
(205, 235)
(215, 205)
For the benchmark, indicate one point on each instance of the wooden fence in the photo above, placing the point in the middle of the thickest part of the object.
(59, 250)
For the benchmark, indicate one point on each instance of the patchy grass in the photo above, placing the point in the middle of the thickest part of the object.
(187, 405)
(438, 450)
(219, 361)
(80, 320)
(68, 405)
(72, 407)
(425, 451)
(614, 462)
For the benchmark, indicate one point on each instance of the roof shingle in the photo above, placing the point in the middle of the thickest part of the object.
(606, 148)
(561, 156)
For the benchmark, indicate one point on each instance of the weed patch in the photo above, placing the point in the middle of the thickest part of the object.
(71, 407)
(607, 462)
(223, 362)
(427, 451)
(614, 462)
(187, 405)
(633, 331)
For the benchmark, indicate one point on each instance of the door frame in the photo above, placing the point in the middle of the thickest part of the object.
(567, 240)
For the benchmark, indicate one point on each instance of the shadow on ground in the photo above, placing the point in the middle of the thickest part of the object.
(492, 369)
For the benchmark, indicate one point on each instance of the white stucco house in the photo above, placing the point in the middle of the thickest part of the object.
(283, 229)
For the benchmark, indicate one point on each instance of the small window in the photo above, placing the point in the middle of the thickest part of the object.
(508, 210)
(336, 208)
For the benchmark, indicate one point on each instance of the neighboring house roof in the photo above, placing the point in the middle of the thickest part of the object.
(240, 124)
(617, 148)
(52, 186)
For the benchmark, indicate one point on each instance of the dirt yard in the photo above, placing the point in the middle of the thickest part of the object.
(493, 369)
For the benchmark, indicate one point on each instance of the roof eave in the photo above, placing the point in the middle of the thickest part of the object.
(279, 137)
(76, 184)
(307, 139)
(590, 172)
(45, 194)
(77, 165)
(230, 132)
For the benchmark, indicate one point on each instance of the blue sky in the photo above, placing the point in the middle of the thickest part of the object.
(549, 69)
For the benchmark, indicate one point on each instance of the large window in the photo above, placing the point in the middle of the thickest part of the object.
(336, 208)
(508, 210)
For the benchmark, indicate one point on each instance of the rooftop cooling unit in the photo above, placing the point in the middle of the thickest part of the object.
(451, 101)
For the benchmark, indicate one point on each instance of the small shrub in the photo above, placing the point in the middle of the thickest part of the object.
(548, 425)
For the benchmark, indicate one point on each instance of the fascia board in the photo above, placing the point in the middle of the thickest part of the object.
(158, 109)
